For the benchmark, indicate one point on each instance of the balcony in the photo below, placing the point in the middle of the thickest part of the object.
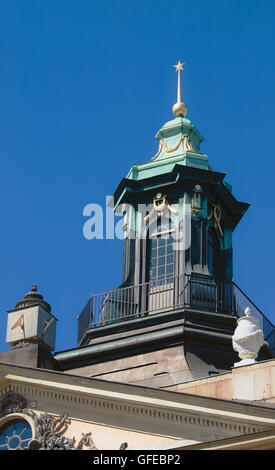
(169, 294)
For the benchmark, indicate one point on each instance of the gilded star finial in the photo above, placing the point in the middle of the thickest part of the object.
(179, 66)
(179, 108)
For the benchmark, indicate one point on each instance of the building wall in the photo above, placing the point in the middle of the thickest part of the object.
(255, 382)
(110, 437)
(154, 369)
(112, 413)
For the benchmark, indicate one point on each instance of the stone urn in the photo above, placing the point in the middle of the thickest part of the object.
(248, 338)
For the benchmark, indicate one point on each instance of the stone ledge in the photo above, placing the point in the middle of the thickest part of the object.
(254, 382)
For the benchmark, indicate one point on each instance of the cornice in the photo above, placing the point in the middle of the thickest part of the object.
(135, 401)
(151, 322)
(263, 440)
(128, 189)
(151, 412)
(131, 344)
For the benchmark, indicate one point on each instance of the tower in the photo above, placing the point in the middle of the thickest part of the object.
(31, 330)
(170, 322)
(173, 316)
(179, 186)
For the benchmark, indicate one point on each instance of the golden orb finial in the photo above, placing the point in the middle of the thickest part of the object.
(179, 107)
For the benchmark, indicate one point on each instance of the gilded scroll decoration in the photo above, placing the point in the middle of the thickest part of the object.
(216, 214)
(171, 149)
(188, 146)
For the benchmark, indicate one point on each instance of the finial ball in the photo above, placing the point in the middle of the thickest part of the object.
(247, 311)
(179, 109)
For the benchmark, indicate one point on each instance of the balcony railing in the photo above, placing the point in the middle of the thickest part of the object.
(166, 294)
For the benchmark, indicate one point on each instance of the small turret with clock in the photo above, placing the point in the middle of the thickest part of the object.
(31, 321)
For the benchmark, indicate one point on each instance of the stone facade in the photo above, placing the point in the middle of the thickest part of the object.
(92, 413)
(254, 383)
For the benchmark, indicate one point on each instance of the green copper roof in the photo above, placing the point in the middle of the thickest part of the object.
(179, 143)
(175, 125)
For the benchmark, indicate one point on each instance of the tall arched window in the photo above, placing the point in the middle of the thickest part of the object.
(161, 251)
(213, 254)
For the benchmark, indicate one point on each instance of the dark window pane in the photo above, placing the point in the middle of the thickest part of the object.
(161, 251)
(170, 259)
(153, 273)
(170, 269)
(161, 270)
(153, 242)
(162, 241)
(170, 248)
(162, 260)
(213, 255)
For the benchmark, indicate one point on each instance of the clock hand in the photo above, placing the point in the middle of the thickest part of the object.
(19, 322)
(47, 324)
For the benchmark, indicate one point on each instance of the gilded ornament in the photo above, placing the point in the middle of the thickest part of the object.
(216, 214)
(196, 201)
(160, 204)
(187, 146)
(179, 107)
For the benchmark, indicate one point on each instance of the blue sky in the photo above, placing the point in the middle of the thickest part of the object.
(84, 88)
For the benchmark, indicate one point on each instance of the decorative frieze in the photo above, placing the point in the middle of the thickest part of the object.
(49, 429)
(143, 411)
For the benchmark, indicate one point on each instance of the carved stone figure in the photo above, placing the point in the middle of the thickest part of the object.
(49, 433)
(49, 430)
(12, 403)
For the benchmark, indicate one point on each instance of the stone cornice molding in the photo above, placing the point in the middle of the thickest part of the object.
(170, 416)
(47, 430)
(264, 440)
(168, 407)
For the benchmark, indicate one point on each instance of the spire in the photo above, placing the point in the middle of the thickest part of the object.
(179, 108)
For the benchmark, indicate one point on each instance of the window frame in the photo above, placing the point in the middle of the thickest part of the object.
(7, 420)
(162, 251)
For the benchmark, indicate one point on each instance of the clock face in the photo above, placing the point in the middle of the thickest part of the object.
(16, 329)
(19, 323)
(31, 323)
(46, 328)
